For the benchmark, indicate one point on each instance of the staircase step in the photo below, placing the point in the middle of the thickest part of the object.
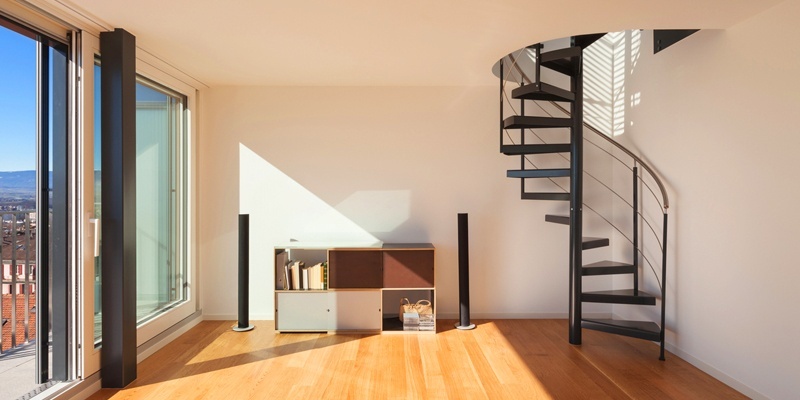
(561, 60)
(607, 268)
(557, 219)
(561, 196)
(593, 242)
(537, 173)
(523, 122)
(522, 149)
(587, 242)
(623, 296)
(565, 67)
(584, 41)
(637, 329)
(562, 54)
(542, 91)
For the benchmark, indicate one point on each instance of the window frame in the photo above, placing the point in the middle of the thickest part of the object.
(156, 325)
(160, 323)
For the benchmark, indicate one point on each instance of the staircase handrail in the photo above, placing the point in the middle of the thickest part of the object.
(625, 150)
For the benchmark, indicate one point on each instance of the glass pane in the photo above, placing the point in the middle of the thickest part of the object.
(160, 270)
(18, 130)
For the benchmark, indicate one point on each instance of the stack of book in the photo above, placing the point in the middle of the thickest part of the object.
(427, 322)
(296, 276)
(411, 321)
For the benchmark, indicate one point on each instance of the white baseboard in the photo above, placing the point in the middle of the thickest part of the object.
(234, 317)
(520, 315)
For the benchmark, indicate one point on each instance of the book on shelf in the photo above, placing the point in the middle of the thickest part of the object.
(317, 276)
(295, 275)
(325, 276)
(311, 277)
(281, 259)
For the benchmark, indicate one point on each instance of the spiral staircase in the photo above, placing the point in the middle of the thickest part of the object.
(560, 107)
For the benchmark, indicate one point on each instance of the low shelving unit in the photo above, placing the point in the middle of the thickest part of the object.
(361, 287)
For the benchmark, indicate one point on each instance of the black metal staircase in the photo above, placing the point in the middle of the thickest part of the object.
(527, 68)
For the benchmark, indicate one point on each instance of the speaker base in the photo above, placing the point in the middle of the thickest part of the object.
(237, 328)
(465, 328)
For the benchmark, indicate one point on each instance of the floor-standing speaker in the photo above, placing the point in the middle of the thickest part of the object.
(463, 273)
(244, 274)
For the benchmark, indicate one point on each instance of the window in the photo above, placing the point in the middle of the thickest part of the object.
(161, 196)
(161, 269)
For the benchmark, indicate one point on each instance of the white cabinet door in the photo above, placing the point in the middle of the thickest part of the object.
(356, 310)
(303, 312)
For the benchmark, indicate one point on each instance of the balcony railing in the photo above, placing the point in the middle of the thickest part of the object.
(18, 299)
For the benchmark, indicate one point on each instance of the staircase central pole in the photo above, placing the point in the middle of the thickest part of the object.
(576, 204)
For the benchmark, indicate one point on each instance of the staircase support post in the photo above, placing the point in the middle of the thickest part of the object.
(502, 93)
(663, 287)
(522, 142)
(576, 205)
(635, 230)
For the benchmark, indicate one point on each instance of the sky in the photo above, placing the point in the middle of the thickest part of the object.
(17, 101)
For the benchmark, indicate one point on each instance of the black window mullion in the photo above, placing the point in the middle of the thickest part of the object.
(43, 216)
(60, 213)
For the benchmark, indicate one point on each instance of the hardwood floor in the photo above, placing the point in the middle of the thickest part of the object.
(500, 359)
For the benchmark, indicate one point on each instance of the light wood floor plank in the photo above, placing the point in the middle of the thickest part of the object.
(500, 359)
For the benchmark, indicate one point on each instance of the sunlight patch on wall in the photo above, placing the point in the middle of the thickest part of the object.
(607, 65)
(598, 84)
(377, 211)
(282, 210)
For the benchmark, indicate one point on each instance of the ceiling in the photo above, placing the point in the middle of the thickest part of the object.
(376, 42)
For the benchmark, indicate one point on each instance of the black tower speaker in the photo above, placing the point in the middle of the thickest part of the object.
(244, 274)
(463, 273)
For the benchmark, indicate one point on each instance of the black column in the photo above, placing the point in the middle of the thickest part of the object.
(118, 161)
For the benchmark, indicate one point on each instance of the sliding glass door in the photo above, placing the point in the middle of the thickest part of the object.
(38, 287)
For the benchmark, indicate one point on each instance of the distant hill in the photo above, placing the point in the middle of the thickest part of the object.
(19, 180)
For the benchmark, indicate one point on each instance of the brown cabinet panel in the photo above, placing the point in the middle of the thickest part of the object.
(408, 268)
(350, 269)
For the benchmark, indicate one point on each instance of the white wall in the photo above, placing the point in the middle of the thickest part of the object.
(396, 164)
(718, 117)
